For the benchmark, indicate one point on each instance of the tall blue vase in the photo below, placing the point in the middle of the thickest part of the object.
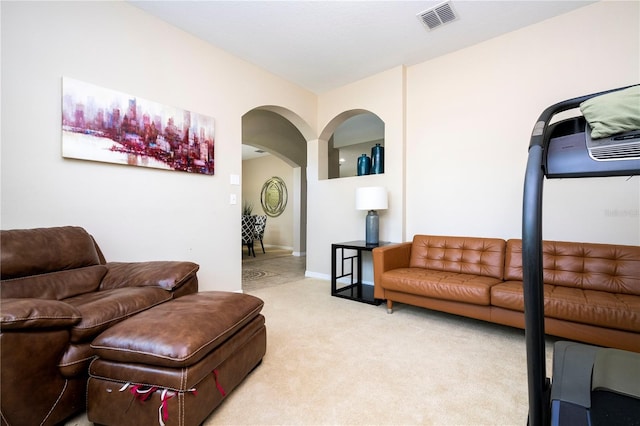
(364, 165)
(377, 159)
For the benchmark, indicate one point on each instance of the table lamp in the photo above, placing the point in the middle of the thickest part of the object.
(371, 198)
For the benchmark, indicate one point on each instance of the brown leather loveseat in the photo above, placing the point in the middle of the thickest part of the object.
(591, 291)
(57, 294)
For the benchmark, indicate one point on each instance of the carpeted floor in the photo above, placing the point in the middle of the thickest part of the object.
(332, 361)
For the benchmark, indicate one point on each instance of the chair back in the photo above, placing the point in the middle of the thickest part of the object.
(261, 224)
(248, 226)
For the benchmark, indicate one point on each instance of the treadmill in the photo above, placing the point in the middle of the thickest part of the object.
(591, 385)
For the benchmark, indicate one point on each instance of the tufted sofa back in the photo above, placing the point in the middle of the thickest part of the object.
(466, 255)
(589, 266)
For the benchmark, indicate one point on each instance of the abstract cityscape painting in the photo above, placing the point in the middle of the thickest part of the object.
(104, 125)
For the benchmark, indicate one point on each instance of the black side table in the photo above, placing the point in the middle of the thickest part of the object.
(351, 266)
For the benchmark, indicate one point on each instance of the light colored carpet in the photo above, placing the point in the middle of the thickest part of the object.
(332, 361)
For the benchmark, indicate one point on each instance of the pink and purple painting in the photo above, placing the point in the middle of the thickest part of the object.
(104, 125)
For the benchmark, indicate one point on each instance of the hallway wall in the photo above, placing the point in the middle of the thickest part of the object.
(279, 231)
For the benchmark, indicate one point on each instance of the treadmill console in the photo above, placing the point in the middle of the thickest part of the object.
(572, 153)
(624, 146)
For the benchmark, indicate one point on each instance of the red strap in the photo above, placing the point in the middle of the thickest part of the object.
(165, 397)
(220, 389)
(142, 394)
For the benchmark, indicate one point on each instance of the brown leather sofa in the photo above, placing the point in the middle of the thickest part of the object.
(591, 291)
(58, 293)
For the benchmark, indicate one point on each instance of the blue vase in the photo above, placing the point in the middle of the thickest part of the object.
(377, 159)
(364, 165)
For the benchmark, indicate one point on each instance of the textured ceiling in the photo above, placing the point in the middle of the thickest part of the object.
(321, 45)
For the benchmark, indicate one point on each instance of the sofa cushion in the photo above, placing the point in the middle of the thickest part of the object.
(102, 309)
(465, 255)
(602, 267)
(17, 314)
(26, 252)
(467, 288)
(600, 308)
(55, 285)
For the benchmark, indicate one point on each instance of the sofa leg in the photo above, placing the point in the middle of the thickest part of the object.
(389, 306)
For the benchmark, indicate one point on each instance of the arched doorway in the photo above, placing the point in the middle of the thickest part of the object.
(282, 134)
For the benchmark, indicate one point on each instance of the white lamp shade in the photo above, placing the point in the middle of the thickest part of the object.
(371, 198)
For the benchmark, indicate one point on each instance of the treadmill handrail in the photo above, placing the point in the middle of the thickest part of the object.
(540, 128)
(538, 383)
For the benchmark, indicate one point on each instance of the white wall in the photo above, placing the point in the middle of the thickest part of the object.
(279, 230)
(134, 213)
(456, 135)
(470, 117)
(331, 213)
(457, 156)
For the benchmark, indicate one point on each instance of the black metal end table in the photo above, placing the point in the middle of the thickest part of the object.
(354, 290)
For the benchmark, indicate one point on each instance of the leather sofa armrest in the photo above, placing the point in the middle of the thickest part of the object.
(168, 275)
(19, 314)
(386, 258)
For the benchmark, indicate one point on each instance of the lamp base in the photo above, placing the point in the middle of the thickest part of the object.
(372, 226)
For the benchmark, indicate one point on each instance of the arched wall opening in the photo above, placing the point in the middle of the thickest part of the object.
(284, 135)
(331, 205)
(348, 136)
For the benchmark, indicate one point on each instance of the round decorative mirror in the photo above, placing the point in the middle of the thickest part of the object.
(274, 196)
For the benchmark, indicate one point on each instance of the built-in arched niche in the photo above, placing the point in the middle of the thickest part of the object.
(352, 138)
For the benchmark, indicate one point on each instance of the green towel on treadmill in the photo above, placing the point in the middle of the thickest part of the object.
(613, 113)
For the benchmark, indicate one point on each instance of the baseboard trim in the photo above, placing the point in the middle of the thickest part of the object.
(318, 275)
(277, 246)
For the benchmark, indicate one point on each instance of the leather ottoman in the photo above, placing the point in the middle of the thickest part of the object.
(173, 364)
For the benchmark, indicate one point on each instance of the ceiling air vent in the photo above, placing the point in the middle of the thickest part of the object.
(437, 16)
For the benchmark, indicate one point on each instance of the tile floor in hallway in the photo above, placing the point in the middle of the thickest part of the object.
(272, 268)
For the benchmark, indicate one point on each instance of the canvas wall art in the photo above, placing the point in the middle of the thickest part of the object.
(104, 125)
